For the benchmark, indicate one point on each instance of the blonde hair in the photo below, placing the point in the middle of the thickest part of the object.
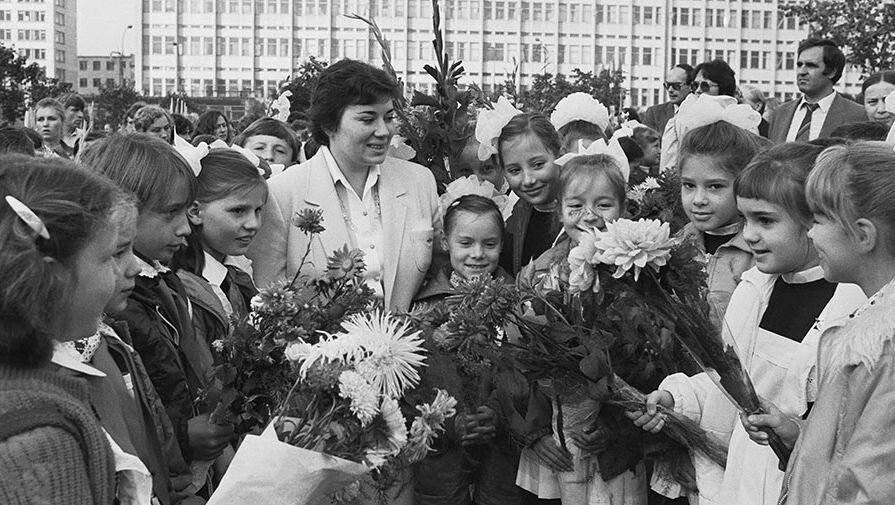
(588, 167)
(854, 181)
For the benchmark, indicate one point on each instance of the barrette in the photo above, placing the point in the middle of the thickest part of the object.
(28, 216)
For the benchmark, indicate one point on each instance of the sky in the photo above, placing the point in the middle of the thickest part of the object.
(101, 24)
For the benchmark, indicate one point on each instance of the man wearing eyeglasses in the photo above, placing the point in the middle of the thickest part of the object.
(677, 84)
(820, 109)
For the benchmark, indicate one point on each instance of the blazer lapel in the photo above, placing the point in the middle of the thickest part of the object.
(834, 116)
(789, 110)
(322, 194)
(393, 197)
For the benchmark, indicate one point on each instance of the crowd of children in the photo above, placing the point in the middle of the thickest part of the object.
(118, 271)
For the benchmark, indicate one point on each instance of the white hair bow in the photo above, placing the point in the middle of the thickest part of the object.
(491, 123)
(580, 107)
(281, 108)
(472, 185)
(705, 109)
(627, 128)
(612, 149)
(194, 154)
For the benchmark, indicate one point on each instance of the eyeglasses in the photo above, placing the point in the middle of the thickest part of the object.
(703, 86)
(673, 85)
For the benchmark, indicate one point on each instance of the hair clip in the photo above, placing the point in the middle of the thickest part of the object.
(28, 216)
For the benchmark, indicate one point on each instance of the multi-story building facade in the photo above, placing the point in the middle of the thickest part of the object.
(230, 47)
(95, 72)
(44, 31)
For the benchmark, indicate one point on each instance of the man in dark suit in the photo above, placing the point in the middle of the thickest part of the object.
(820, 109)
(677, 84)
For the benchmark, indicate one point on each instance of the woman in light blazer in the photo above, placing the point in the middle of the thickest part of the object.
(383, 206)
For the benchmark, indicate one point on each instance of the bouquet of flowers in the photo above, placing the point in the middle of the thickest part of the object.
(658, 198)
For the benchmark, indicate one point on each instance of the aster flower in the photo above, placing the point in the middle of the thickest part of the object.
(345, 263)
(308, 220)
(634, 245)
(297, 351)
(638, 192)
(582, 276)
(364, 400)
(397, 425)
(392, 353)
(441, 408)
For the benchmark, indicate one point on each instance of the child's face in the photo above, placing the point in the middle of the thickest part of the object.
(836, 249)
(707, 194)
(474, 244)
(229, 224)
(162, 231)
(529, 169)
(94, 276)
(778, 240)
(651, 151)
(589, 206)
(127, 267)
(487, 170)
(273, 149)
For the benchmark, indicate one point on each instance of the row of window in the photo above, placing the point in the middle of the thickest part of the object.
(59, 3)
(96, 82)
(728, 18)
(97, 65)
(33, 54)
(756, 60)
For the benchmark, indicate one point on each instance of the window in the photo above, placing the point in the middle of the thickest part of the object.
(635, 14)
(82, 65)
(647, 56)
(60, 56)
(82, 82)
(5, 15)
(96, 65)
(768, 19)
(697, 17)
(60, 18)
(648, 18)
(110, 65)
(110, 83)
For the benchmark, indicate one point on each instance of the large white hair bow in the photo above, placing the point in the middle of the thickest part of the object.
(702, 110)
(490, 123)
(580, 107)
(194, 154)
(472, 185)
(627, 128)
(612, 149)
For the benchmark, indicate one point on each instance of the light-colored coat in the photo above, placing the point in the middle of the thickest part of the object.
(408, 201)
(699, 399)
(846, 451)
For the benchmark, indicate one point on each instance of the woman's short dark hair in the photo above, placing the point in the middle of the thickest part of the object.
(834, 59)
(342, 84)
(274, 128)
(719, 72)
(876, 78)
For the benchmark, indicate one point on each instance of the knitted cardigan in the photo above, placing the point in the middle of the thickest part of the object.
(52, 448)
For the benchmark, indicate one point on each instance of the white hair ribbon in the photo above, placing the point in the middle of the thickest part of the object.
(705, 109)
(491, 123)
(612, 149)
(472, 185)
(627, 128)
(28, 217)
(192, 154)
(580, 106)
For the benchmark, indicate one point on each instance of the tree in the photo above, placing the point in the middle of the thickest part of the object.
(863, 28)
(302, 84)
(112, 103)
(546, 90)
(23, 84)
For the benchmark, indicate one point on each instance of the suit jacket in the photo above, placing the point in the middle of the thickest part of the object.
(842, 111)
(658, 115)
(409, 203)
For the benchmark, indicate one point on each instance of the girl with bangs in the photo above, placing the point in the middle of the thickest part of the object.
(773, 321)
(846, 450)
(157, 310)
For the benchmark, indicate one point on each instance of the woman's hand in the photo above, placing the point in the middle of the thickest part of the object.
(552, 455)
(208, 440)
(478, 428)
(652, 420)
(773, 419)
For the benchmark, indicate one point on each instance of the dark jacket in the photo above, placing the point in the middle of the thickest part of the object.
(158, 318)
(657, 116)
(842, 111)
(511, 259)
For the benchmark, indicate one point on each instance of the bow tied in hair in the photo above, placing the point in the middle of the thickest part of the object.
(704, 110)
(612, 149)
(580, 107)
(491, 123)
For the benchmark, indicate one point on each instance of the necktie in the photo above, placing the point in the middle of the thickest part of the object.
(805, 127)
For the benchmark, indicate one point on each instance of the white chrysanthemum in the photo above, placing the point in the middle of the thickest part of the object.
(580, 107)
(339, 348)
(582, 275)
(634, 245)
(638, 192)
(419, 441)
(397, 425)
(392, 354)
(441, 408)
(490, 123)
(296, 351)
(472, 185)
(364, 400)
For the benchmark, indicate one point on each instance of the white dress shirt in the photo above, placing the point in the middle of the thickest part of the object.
(215, 272)
(817, 119)
(363, 219)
